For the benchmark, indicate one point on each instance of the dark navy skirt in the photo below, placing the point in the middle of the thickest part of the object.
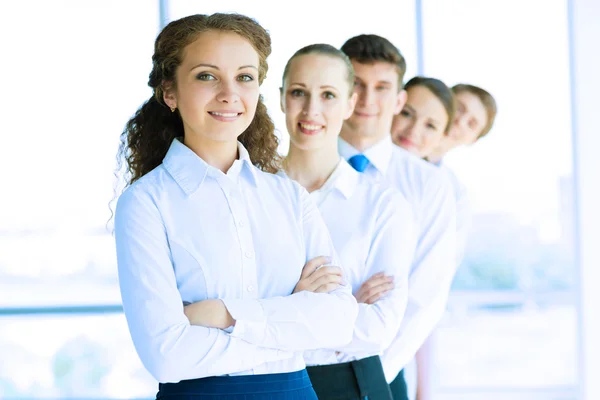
(286, 386)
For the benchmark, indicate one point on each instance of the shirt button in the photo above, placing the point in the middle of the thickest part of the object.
(250, 288)
(249, 254)
(241, 224)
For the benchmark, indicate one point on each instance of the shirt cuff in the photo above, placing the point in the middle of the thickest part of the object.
(250, 320)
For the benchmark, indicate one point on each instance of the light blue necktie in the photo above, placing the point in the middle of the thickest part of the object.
(359, 162)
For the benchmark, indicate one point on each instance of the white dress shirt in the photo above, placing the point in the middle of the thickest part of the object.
(463, 212)
(434, 207)
(188, 232)
(373, 231)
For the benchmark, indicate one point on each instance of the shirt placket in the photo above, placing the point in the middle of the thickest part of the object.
(249, 283)
(249, 280)
(235, 198)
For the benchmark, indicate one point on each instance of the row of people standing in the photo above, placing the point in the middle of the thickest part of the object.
(238, 267)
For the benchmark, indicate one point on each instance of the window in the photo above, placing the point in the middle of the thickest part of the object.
(64, 356)
(77, 71)
(512, 319)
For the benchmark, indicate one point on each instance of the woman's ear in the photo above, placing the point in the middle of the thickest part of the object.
(169, 95)
(281, 100)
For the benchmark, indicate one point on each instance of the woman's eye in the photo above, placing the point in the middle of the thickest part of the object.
(329, 95)
(297, 92)
(246, 78)
(205, 77)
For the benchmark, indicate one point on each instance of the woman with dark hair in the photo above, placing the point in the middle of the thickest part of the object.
(419, 128)
(203, 223)
(426, 116)
(435, 120)
(372, 226)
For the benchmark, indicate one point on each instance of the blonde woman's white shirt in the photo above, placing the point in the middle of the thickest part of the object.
(373, 231)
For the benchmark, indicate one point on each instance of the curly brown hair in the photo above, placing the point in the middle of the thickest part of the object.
(148, 134)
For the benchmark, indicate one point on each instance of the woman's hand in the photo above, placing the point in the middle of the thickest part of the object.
(210, 313)
(374, 288)
(319, 279)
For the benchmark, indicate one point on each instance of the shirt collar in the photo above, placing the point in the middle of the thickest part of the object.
(343, 179)
(189, 170)
(379, 154)
(249, 171)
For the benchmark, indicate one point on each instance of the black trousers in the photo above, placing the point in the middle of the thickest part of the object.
(398, 387)
(355, 380)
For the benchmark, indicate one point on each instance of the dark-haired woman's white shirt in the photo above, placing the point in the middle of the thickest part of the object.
(187, 232)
